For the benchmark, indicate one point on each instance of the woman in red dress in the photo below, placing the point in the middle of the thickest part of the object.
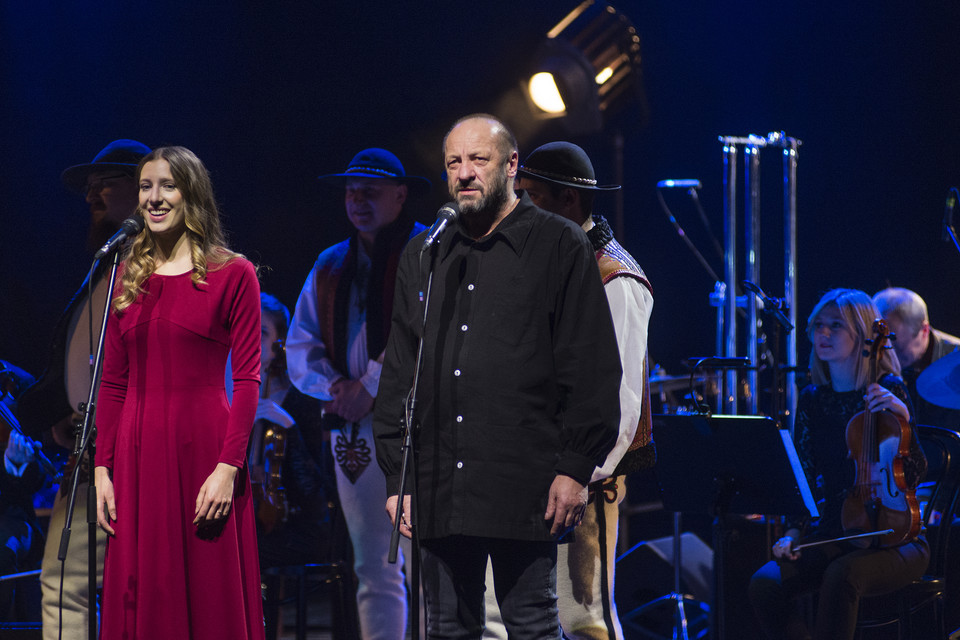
(172, 487)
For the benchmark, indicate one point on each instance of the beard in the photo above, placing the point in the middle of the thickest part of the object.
(492, 200)
(99, 231)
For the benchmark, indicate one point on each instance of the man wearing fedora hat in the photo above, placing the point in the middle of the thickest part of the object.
(110, 190)
(334, 353)
(559, 177)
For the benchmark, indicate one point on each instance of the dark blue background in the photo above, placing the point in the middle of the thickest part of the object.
(272, 94)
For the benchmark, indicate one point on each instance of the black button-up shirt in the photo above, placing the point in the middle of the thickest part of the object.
(520, 375)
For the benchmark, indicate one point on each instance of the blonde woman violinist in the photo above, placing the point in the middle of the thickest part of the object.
(840, 327)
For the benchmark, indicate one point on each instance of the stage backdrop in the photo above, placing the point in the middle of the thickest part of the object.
(272, 94)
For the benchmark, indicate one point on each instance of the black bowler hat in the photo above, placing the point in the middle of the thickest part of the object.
(122, 156)
(378, 163)
(562, 163)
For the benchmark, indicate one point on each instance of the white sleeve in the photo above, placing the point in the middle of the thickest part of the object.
(371, 377)
(308, 365)
(630, 305)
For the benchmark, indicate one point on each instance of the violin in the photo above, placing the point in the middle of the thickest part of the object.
(879, 442)
(270, 496)
(9, 422)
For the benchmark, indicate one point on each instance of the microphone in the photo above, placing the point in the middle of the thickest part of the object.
(447, 215)
(130, 227)
(683, 184)
(947, 227)
(770, 305)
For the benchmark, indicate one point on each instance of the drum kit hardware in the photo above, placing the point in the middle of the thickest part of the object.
(674, 392)
(939, 383)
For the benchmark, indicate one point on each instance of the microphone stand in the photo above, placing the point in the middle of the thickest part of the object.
(947, 231)
(776, 309)
(87, 432)
(409, 454)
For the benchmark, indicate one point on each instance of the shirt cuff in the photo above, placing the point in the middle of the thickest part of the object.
(578, 467)
(371, 377)
(12, 469)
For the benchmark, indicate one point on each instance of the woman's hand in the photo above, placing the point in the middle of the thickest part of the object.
(106, 505)
(783, 549)
(216, 495)
(879, 398)
(270, 411)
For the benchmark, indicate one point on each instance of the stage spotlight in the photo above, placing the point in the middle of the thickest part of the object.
(545, 94)
(587, 69)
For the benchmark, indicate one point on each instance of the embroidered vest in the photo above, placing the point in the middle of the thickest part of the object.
(335, 270)
(615, 262)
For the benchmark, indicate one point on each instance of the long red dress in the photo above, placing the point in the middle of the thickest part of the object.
(163, 424)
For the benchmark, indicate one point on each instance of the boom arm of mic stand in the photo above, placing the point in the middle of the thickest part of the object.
(686, 239)
(706, 222)
(953, 236)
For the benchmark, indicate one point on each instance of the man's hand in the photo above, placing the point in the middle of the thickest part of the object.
(392, 513)
(350, 400)
(565, 505)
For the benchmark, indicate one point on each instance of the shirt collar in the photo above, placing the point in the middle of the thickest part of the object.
(514, 229)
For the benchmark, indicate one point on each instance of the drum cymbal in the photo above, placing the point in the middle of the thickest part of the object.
(939, 383)
(660, 383)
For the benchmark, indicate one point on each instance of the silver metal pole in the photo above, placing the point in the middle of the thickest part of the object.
(719, 296)
(752, 266)
(729, 390)
(790, 273)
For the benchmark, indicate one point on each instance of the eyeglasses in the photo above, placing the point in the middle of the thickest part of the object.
(98, 184)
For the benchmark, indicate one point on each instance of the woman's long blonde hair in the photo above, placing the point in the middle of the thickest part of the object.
(202, 219)
(859, 313)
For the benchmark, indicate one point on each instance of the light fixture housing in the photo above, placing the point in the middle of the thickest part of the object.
(593, 58)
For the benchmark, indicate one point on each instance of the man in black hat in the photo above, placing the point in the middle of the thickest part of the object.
(559, 177)
(334, 353)
(517, 397)
(108, 185)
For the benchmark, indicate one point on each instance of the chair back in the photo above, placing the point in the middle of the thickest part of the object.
(940, 517)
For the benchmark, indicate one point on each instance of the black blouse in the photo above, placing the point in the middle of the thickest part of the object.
(820, 432)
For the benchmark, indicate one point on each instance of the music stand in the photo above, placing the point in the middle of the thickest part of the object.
(726, 465)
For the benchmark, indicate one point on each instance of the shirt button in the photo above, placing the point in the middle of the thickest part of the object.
(469, 287)
(459, 465)
(456, 372)
(463, 327)
(459, 418)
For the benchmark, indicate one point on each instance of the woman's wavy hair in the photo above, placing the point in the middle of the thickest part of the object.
(208, 245)
(859, 313)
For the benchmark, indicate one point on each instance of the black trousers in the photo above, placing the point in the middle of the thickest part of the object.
(843, 574)
(524, 575)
